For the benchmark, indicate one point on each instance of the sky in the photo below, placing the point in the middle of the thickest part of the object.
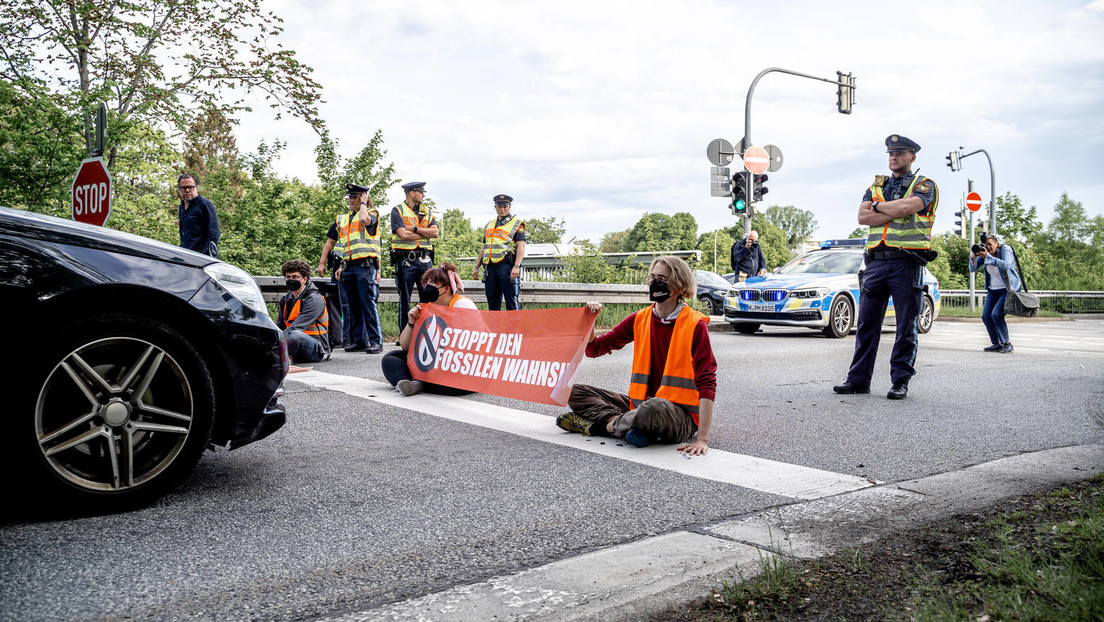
(599, 111)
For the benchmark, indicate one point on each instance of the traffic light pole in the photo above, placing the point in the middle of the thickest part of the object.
(846, 98)
(992, 183)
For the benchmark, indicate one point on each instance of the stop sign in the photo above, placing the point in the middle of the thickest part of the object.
(973, 201)
(92, 192)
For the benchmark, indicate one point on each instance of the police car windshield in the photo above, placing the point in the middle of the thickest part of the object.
(825, 262)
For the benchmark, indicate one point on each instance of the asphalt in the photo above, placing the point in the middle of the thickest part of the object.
(672, 570)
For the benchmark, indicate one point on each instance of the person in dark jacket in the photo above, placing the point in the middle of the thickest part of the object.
(303, 315)
(747, 257)
(199, 225)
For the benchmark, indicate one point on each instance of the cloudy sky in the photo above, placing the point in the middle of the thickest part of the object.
(599, 111)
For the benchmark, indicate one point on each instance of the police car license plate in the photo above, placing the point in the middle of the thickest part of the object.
(766, 308)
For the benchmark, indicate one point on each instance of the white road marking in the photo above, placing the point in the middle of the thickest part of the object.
(780, 478)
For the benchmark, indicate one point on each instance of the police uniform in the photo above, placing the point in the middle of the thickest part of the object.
(411, 258)
(895, 255)
(500, 240)
(359, 247)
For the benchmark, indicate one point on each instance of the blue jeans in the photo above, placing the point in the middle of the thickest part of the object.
(408, 276)
(498, 284)
(359, 288)
(302, 348)
(992, 315)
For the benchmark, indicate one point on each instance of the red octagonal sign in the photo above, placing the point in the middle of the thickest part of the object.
(92, 192)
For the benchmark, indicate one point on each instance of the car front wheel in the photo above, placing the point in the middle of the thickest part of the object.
(123, 410)
(927, 315)
(713, 306)
(840, 318)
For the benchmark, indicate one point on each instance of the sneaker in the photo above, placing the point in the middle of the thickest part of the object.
(574, 423)
(410, 387)
(638, 438)
(996, 347)
(1006, 348)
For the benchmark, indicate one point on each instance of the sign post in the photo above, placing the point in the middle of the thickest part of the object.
(92, 192)
(973, 201)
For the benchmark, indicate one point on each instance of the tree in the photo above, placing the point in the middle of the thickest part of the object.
(660, 232)
(721, 242)
(613, 242)
(859, 232)
(458, 238)
(544, 230)
(1070, 223)
(154, 63)
(798, 224)
(1014, 221)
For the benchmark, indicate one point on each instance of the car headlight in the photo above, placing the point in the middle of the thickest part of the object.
(816, 292)
(240, 284)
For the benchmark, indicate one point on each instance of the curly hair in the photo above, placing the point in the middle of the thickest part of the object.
(295, 265)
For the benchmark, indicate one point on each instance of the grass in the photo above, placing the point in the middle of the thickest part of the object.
(949, 311)
(1035, 558)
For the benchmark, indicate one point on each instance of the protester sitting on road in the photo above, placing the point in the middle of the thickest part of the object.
(439, 286)
(303, 315)
(1000, 276)
(674, 373)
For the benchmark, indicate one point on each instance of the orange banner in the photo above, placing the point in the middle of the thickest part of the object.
(527, 355)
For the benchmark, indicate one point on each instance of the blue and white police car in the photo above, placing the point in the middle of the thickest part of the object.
(819, 290)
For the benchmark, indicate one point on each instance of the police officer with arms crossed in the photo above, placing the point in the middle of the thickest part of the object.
(501, 255)
(899, 211)
(358, 242)
(413, 228)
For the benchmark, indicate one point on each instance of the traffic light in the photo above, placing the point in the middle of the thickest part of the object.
(739, 193)
(958, 223)
(953, 161)
(760, 189)
(845, 92)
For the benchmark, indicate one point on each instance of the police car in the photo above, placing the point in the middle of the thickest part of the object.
(819, 289)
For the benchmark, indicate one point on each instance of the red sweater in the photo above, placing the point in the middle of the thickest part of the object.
(705, 366)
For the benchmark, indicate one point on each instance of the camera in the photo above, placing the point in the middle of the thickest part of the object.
(977, 248)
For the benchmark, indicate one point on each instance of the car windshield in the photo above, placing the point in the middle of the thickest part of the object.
(706, 277)
(824, 263)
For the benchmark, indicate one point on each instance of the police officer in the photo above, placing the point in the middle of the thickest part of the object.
(359, 244)
(899, 211)
(413, 229)
(501, 255)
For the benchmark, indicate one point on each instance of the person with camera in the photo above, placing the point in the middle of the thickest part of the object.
(1000, 276)
(413, 229)
(501, 256)
(747, 257)
(899, 211)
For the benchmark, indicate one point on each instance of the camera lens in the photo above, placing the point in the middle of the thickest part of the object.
(977, 248)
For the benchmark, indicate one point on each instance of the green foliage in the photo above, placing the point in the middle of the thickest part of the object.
(720, 241)
(952, 265)
(798, 224)
(660, 232)
(1015, 221)
(859, 232)
(614, 242)
(544, 230)
(458, 239)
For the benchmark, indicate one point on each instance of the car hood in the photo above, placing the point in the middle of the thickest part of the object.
(799, 281)
(33, 226)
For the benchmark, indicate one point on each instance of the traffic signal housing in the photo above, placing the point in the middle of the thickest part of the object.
(739, 193)
(845, 92)
(953, 162)
(759, 189)
(958, 223)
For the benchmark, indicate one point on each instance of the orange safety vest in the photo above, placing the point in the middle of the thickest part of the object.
(410, 220)
(677, 384)
(455, 299)
(320, 326)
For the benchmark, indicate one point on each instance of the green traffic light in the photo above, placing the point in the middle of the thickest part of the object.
(739, 205)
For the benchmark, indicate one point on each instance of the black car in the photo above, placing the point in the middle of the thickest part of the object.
(130, 357)
(712, 289)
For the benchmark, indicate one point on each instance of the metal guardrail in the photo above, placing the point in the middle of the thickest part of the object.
(531, 292)
(1051, 300)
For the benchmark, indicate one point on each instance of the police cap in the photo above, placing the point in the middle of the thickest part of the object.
(896, 142)
(351, 190)
(503, 198)
(414, 185)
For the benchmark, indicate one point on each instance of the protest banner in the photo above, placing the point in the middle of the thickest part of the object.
(530, 355)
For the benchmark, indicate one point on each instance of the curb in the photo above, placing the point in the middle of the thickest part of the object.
(649, 576)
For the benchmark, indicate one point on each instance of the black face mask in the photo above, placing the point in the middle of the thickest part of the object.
(429, 293)
(658, 291)
(292, 285)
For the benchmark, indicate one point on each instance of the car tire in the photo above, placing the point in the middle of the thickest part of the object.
(926, 318)
(746, 329)
(712, 305)
(118, 412)
(841, 318)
